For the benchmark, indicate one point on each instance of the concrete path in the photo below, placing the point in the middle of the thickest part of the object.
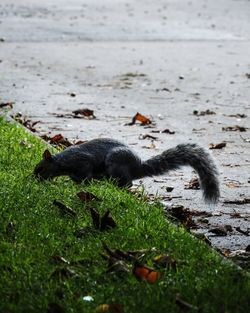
(163, 59)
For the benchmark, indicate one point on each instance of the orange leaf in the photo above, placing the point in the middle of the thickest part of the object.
(56, 138)
(112, 308)
(145, 273)
(141, 118)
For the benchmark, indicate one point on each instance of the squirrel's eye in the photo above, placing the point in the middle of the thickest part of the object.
(39, 170)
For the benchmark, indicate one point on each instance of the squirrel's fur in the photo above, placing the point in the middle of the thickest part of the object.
(108, 158)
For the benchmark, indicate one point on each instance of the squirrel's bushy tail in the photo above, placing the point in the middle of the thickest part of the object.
(187, 154)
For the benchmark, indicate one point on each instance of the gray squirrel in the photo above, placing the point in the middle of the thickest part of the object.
(108, 158)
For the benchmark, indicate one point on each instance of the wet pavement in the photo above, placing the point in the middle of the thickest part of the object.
(165, 60)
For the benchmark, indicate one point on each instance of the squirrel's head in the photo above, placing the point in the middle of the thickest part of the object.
(46, 168)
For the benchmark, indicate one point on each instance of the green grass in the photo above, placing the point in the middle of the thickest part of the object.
(32, 230)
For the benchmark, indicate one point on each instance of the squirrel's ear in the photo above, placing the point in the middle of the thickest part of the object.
(47, 155)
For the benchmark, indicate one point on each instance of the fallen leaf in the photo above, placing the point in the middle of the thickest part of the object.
(102, 223)
(217, 146)
(240, 257)
(87, 196)
(163, 89)
(147, 136)
(95, 217)
(60, 259)
(169, 189)
(165, 260)
(230, 165)
(182, 214)
(118, 267)
(248, 75)
(111, 308)
(130, 255)
(84, 112)
(244, 232)
(145, 273)
(183, 304)
(165, 131)
(64, 208)
(238, 201)
(233, 184)
(140, 118)
(107, 221)
(151, 146)
(59, 139)
(25, 121)
(130, 74)
(238, 115)
(6, 104)
(235, 128)
(63, 272)
(203, 237)
(221, 230)
(84, 231)
(193, 184)
(202, 113)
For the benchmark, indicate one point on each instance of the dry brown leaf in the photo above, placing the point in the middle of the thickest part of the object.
(202, 113)
(164, 131)
(151, 146)
(7, 104)
(235, 128)
(64, 208)
(182, 215)
(147, 136)
(233, 184)
(221, 230)
(107, 221)
(87, 196)
(193, 184)
(244, 232)
(25, 121)
(84, 112)
(238, 201)
(184, 305)
(238, 115)
(217, 146)
(102, 223)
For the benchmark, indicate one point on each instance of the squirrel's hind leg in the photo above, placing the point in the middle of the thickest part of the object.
(120, 175)
(119, 165)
